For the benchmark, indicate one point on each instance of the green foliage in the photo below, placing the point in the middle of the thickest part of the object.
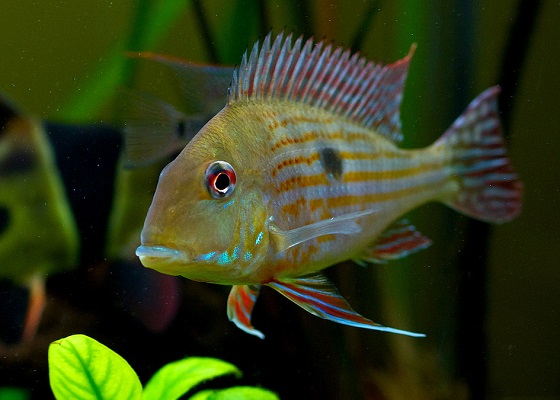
(82, 368)
(236, 393)
(177, 378)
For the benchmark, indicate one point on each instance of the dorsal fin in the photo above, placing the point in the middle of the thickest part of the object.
(348, 85)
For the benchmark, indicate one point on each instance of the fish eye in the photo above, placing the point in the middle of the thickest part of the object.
(220, 179)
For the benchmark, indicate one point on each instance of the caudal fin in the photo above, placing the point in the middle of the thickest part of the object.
(490, 190)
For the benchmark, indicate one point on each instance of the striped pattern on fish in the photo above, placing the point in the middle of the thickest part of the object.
(375, 174)
(302, 170)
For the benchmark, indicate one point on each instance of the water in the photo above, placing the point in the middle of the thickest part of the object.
(485, 296)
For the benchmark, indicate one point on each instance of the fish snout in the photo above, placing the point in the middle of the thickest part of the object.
(160, 258)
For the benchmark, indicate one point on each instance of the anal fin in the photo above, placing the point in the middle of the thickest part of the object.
(320, 297)
(398, 241)
(240, 305)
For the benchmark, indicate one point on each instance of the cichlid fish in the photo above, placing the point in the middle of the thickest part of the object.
(301, 170)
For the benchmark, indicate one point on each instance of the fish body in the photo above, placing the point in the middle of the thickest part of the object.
(301, 170)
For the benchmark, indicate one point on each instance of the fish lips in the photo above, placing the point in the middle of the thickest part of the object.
(161, 258)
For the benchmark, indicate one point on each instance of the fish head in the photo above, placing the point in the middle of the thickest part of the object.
(207, 218)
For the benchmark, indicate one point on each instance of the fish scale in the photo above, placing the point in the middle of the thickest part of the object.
(311, 175)
(382, 169)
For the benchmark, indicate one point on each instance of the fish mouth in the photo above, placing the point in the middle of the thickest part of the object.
(160, 258)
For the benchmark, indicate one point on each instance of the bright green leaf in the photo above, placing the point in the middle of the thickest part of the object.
(236, 393)
(82, 368)
(177, 378)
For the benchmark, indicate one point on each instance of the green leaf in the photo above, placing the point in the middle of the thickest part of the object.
(236, 393)
(177, 378)
(82, 368)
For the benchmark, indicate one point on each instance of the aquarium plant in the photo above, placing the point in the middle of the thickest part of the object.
(82, 368)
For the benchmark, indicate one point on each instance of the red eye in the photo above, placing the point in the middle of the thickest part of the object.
(220, 179)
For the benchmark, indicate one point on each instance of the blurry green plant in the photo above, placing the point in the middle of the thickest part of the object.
(82, 368)
(152, 20)
(10, 393)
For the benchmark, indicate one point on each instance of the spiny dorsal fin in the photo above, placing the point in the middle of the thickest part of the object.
(348, 85)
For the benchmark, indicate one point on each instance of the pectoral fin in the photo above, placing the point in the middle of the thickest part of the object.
(399, 240)
(343, 225)
(319, 296)
(240, 305)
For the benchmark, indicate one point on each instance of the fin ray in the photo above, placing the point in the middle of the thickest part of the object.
(343, 224)
(154, 129)
(317, 295)
(398, 241)
(240, 305)
(293, 74)
(489, 188)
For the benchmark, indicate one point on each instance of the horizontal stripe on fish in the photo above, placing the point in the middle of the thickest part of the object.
(383, 178)
(320, 130)
(390, 174)
(377, 197)
(364, 176)
(344, 154)
(294, 176)
(303, 160)
(299, 206)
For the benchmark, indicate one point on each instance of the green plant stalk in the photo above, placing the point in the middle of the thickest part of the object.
(150, 25)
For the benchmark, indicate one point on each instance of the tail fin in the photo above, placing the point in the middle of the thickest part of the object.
(490, 190)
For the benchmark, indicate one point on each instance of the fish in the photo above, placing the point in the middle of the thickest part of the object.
(302, 169)
(37, 233)
(154, 129)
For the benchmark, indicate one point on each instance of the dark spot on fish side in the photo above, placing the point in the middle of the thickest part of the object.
(17, 162)
(181, 129)
(4, 219)
(331, 162)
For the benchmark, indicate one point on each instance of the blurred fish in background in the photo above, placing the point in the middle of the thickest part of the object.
(57, 185)
(38, 234)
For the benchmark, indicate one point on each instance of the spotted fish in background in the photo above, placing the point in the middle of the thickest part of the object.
(301, 170)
